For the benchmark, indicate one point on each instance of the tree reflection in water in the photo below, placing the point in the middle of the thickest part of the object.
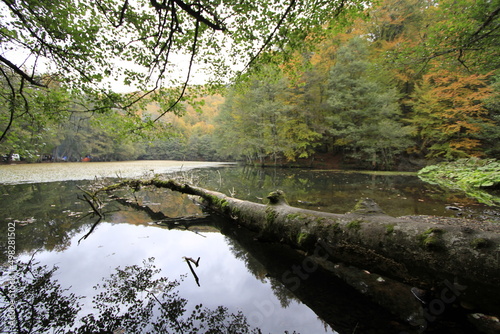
(135, 299)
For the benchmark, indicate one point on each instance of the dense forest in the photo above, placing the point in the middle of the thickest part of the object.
(406, 82)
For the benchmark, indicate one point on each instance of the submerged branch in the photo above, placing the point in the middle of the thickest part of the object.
(91, 201)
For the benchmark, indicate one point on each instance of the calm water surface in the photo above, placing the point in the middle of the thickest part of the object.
(235, 270)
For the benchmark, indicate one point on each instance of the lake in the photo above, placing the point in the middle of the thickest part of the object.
(235, 271)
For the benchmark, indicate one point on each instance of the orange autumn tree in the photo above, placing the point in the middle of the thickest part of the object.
(449, 113)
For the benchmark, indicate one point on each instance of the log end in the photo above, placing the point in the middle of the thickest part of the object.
(367, 206)
(277, 198)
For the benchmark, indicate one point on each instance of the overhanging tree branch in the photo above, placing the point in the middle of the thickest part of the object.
(273, 33)
(21, 73)
(188, 76)
(217, 25)
(11, 105)
(486, 23)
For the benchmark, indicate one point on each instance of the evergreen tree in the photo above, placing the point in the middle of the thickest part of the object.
(364, 110)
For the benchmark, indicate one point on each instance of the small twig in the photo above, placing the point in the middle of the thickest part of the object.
(92, 205)
(197, 233)
(93, 196)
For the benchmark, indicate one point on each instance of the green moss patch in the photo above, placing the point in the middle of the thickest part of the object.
(432, 239)
(389, 229)
(479, 243)
(293, 216)
(354, 225)
(306, 240)
(270, 216)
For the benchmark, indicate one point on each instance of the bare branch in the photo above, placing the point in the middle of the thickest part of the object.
(184, 87)
(12, 109)
(121, 18)
(20, 72)
(487, 22)
(270, 37)
(193, 13)
(122, 13)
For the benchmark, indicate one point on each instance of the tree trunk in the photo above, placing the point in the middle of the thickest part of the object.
(436, 254)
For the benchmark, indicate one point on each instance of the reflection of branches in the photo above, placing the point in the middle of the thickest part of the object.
(133, 299)
(171, 222)
(94, 204)
(182, 222)
(189, 261)
(150, 212)
(30, 297)
(91, 230)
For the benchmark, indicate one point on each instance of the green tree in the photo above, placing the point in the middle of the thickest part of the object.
(364, 114)
(28, 121)
(491, 129)
(246, 128)
(261, 119)
(464, 32)
(226, 130)
(101, 136)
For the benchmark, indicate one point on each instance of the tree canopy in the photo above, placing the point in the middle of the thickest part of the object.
(415, 78)
(369, 81)
(144, 44)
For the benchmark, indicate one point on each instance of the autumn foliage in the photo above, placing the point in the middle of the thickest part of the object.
(449, 113)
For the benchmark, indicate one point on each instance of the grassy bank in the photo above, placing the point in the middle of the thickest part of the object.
(478, 178)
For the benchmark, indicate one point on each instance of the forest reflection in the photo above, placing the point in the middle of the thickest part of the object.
(131, 300)
(142, 223)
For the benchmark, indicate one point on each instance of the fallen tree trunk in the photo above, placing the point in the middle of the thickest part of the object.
(427, 254)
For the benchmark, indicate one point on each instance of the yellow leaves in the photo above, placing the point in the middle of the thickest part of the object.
(459, 96)
(342, 142)
(202, 128)
(454, 101)
(460, 127)
(465, 144)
